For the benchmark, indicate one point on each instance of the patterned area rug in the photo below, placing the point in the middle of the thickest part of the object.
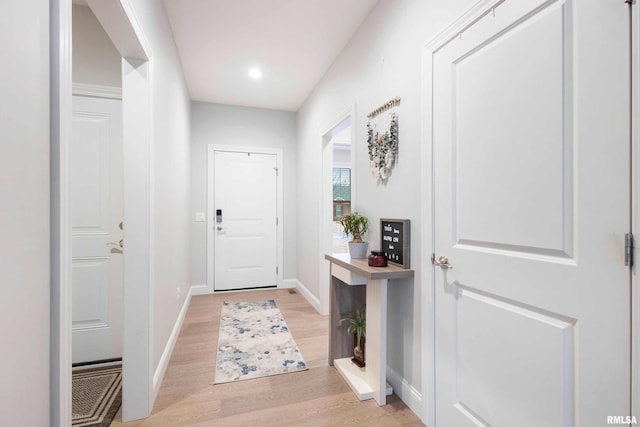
(255, 342)
(96, 396)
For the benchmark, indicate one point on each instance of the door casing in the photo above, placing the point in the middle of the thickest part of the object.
(321, 303)
(635, 205)
(119, 21)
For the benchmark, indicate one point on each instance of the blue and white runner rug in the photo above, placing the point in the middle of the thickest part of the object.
(254, 341)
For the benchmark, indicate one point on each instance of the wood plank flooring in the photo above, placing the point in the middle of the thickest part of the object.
(317, 397)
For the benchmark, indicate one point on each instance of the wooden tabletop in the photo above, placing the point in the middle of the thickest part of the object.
(362, 268)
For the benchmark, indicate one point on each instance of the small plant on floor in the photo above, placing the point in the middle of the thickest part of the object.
(357, 324)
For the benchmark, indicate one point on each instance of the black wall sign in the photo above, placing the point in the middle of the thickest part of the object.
(394, 240)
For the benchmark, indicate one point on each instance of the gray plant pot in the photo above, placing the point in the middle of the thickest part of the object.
(358, 250)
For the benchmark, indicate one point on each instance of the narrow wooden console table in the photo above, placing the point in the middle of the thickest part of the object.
(346, 295)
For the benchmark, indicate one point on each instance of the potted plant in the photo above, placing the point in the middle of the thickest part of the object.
(356, 225)
(357, 325)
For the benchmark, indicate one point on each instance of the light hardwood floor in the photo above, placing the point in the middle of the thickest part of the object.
(317, 397)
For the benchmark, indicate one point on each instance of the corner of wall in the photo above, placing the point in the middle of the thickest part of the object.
(166, 354)
(405, 391)
(289, 284)
(312, 299)
(201, 289)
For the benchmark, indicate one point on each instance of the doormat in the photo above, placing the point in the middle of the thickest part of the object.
(96, 396)
(254, 342)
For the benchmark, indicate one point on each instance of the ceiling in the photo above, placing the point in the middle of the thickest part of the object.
(293, 42)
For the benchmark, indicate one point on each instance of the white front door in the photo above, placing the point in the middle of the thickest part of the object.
(96, 181)
(531, 193)
(245, 196)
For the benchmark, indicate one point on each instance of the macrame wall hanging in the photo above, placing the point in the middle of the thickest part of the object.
(382, 138)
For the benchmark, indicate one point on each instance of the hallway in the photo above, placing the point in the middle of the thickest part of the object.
(317, 397)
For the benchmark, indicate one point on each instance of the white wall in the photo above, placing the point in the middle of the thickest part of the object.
(171, 246)
(381, 61)
(24, 213)
(95, 58)
(243, 127)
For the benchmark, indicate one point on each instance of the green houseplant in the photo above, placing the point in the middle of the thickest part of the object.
(357, 325)
(356, 225)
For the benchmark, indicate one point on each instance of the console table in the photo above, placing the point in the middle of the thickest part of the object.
(353, 282)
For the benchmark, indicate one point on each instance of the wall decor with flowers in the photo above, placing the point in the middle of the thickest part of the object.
(382, 138)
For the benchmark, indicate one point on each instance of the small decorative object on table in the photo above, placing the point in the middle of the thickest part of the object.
(357, 325)
(395, 240)
(377, 259)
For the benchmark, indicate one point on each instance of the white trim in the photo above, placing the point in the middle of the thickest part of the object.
(139, 306)
(427, 247)
(200, 289)
(152, 231)
(60, 33)
(289, 284)
(308, 295)
(168, 350)
(211, 149)
(97, 91)
(119, 21)
(343, 165)
(405, 391)
(210, 225)
(635, 209)
(138, 234)
(325, 228)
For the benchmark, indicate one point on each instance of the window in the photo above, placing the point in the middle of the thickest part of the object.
(341, 192)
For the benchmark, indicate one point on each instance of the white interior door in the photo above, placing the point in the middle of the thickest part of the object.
(531, 193)
(96, 178)
(245, 193)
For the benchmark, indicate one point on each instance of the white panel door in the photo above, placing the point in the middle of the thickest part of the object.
(531, 193)
(245, 192)
(96, 178)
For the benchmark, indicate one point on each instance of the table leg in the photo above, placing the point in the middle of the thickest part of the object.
(376, 341)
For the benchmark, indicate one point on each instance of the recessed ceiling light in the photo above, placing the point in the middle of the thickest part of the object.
(255, 73)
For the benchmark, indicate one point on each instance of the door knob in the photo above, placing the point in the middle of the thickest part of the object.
(119, 244)
(219, 228)
(442, 262)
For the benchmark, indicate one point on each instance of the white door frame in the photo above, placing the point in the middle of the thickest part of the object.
(427, 233)
(61, 122)
(326, 199)
(211, 150)
(118, 20)
(635, 208)
(427, 277)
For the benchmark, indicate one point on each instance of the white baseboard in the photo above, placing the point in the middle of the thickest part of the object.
(313, 300)
(202, 289)
(168, 349)
(288, 284)
(405, 391)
